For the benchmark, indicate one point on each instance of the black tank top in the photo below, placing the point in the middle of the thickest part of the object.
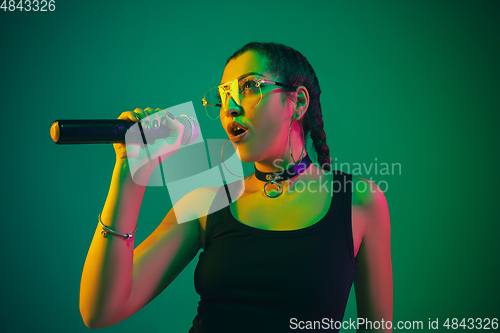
(256, 280)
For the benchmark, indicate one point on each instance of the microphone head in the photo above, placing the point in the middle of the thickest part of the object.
(191, 129)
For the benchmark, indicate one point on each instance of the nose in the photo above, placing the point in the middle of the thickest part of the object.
(233, 109)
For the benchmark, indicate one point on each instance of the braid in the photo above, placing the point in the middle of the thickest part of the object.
(318, 136)
(294, 69)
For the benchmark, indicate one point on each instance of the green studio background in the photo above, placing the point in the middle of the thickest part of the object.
(409, 82)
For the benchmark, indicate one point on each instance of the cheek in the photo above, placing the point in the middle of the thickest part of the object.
(271, 117)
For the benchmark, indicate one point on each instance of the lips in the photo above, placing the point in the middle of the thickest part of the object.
(236, 131)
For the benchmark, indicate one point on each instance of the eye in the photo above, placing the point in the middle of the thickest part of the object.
(248, 84)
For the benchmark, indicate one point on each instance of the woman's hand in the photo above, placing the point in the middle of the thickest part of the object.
(145, 158)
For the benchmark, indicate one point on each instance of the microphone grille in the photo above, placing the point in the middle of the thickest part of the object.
(191, 129)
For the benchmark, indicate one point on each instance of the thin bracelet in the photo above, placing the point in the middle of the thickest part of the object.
(106, 230)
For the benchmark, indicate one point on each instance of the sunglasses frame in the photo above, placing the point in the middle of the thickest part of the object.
(233, 90)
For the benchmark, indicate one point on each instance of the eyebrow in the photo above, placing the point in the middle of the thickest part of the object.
(242, 76)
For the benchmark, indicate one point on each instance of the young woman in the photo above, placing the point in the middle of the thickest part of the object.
(280, 255)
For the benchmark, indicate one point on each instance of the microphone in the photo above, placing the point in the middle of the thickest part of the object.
(114, 130)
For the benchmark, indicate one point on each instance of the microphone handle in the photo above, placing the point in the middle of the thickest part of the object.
(106, 131)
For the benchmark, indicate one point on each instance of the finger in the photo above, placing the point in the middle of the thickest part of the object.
(176, 132)
(174, 124)
(129, 115)
(160, 114)
(148, 111)
(141, 113)
(155, 119)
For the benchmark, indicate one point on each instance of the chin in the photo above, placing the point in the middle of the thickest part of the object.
(247, 155)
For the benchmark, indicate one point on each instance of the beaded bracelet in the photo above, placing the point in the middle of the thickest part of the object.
(106, 230)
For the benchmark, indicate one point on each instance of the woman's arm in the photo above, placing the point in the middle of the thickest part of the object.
(373, 279)
(117, 280)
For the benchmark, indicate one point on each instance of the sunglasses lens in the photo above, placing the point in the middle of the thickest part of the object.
(249, 91)
(245, 92)
(212, 102)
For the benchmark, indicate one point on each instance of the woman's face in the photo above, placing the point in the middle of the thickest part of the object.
(267, 123)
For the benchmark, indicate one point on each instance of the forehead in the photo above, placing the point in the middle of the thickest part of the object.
(249, 61)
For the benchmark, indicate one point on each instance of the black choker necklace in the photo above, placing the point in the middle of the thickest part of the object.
(274, 177)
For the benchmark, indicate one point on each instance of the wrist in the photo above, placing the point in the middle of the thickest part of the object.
(134, 172)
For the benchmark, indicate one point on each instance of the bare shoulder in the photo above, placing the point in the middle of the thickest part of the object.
(369, 207)
(373, 280)
(195, 204)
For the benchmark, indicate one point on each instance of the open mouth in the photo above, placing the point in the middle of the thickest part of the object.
(236, 129)
(237, 132)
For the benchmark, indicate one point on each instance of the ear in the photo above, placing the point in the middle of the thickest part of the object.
(302, 102)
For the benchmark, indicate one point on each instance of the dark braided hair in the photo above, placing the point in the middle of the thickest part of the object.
(293, 68)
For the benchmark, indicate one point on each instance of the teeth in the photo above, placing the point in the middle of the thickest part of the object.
(237, 128)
